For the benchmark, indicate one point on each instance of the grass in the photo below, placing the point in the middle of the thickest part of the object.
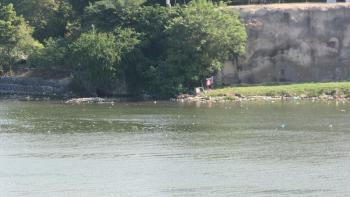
(300, 89)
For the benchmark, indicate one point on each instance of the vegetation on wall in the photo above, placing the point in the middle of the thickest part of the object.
(154, 49)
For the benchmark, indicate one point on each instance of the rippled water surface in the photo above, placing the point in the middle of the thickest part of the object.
(51, 149)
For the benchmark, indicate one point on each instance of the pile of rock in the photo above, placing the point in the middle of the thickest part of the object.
(92, 100)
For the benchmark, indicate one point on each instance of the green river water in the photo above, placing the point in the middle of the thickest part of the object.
(51, 149)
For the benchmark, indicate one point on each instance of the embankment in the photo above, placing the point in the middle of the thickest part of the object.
(332, 91)
(33, 88)
(293, 43)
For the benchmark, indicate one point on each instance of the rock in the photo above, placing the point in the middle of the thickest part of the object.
(183, 96)
(85, 100)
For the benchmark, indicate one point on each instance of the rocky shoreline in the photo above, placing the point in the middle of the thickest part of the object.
(34, 89)
(93, 100)
(182, 99)
(185, 98)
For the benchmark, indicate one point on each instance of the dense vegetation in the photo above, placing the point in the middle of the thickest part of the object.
(15, 37)
(154, 50)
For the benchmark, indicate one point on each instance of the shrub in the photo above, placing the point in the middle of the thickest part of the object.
(52, 57)
(199, 40)
(96, 59)
(16, 39)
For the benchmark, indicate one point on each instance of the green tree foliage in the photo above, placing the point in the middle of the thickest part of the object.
(96, 61)
(184, 2)
(48, 17)
(103, 15)
(107, 14)
(79, 5)
(150, 21)
(179, 46)
(53, 56)
(15, 37)
(183, 45)
(199, 41)
(96, 58)
(156, 50)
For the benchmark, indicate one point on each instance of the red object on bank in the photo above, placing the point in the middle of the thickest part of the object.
(209, 81)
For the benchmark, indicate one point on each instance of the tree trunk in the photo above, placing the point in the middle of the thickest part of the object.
(167, 3)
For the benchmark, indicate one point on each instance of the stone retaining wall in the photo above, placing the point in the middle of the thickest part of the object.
(32, 87)
(293, 43)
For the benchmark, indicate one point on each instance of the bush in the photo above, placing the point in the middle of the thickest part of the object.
(198, 41)
(157, 50)
(52, 57)
(16, 39)
(96, 58)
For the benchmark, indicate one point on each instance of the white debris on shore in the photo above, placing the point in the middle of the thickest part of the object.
(91, 100)
(185, 98)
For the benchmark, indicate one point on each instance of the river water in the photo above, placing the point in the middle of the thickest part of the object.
(50, 149)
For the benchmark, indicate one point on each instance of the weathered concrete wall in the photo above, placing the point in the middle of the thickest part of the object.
(293, 43)
(38, 88)
(19, 87)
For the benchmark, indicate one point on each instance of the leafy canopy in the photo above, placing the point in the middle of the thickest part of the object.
(48, 17)
(51, 57)
(156, 50)
(179, 46)
(96, 58)
(198, 41)
(15, 37)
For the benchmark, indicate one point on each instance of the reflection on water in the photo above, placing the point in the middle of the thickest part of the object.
(170, 149)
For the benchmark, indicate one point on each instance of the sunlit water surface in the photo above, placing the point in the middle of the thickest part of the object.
(50, 149)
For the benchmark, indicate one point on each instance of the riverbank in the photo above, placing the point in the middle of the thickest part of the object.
(34, 88)
(331, 91)
(338, 91)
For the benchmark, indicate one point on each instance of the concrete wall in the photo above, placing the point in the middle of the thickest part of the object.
(20, 87)
(293, 43)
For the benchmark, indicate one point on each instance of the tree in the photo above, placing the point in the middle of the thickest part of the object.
(96, 58)
(107, 14)
(15, 37)
(49, 18)
(178, 46)
(80, 5)
(151, 22)
(156, 50)
(52, 57)
(199, 41)
(184, 2)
